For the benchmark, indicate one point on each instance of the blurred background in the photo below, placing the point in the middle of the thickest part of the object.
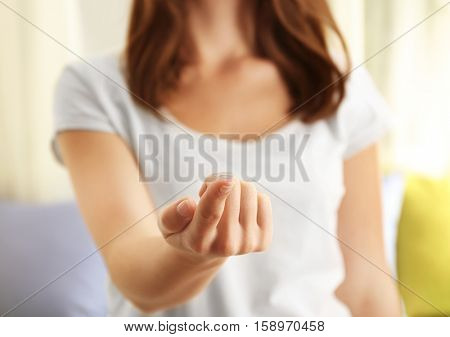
(413, 74)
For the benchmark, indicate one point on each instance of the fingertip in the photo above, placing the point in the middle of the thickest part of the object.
(219, 187)
(221, 182)
(225, 186)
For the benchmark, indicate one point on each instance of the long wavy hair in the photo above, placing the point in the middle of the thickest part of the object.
(293, 34)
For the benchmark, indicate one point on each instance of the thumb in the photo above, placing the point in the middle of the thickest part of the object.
(175, 217)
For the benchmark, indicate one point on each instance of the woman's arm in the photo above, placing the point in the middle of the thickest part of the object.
(156, 268)
(112, 197)
(367, 290)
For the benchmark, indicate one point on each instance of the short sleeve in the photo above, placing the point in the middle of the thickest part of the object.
(78, 103)
(363, 118)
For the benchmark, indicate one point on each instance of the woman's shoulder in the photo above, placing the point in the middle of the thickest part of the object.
(100, 72)
(92, 94)
(363, 116)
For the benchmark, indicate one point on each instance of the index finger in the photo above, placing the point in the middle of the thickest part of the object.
(212, 202)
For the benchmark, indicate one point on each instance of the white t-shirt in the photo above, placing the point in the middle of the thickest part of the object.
(299, 273)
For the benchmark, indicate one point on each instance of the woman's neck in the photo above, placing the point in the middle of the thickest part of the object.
(216, 31)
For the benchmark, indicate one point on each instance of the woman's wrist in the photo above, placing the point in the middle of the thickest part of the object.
(197, 260)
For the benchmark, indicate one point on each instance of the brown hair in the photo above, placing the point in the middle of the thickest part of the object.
(290, 33)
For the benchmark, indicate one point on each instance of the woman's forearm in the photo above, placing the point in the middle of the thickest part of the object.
(154, 275)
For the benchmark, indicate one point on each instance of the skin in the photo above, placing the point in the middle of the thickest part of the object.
(160, 263)
(368, 290)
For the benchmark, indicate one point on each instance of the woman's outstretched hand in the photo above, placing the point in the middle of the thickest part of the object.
(231, 218)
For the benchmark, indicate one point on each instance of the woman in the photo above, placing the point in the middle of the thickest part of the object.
(294, 245)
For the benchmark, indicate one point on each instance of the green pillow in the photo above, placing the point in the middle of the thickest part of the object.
(423, 247)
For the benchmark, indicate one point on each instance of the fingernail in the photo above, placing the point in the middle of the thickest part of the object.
(225, 176)
(183, 209)
(219, 176)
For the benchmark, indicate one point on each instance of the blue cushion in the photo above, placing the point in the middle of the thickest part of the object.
(39, 243)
